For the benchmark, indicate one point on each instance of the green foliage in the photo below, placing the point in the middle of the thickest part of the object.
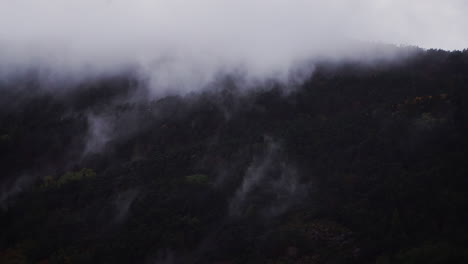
(5, 138)
(434, 254)
(48, 181)
(72, 176)
(197, 179)
(190, 221)
(384, 259)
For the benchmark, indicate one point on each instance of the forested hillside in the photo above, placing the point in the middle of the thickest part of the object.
(362, 163)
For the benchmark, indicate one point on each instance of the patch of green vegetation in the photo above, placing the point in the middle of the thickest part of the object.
(197, 179)
(71, 176)
(434, 253)
(5, 138)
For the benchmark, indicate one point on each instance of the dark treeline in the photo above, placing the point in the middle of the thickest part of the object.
(363, 163)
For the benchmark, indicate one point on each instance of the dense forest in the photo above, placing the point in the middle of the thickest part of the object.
(361, 163)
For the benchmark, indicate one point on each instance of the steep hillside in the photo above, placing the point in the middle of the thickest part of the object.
(359, 164)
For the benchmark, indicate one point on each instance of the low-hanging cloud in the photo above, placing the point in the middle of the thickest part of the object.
(180, 45)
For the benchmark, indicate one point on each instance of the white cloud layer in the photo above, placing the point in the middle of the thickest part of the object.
(182, 42)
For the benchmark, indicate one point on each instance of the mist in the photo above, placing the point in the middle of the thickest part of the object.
(181, 46)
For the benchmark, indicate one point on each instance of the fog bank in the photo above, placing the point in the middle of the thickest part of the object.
(180, 46)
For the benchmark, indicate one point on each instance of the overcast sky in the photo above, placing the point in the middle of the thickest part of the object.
(197, 37)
